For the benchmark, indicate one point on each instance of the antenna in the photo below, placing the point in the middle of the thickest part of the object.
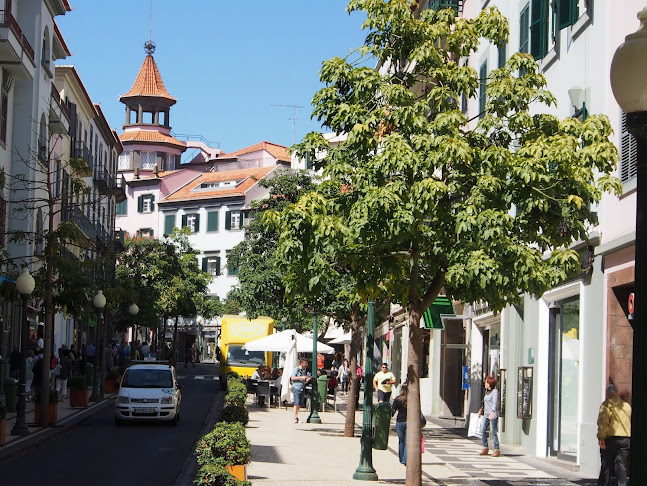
(150, 23)
(294, 120)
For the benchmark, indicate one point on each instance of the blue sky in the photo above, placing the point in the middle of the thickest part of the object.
(226, 62)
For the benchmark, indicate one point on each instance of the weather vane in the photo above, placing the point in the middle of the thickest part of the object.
(149, 46)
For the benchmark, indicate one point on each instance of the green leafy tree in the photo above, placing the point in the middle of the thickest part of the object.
(418, 198)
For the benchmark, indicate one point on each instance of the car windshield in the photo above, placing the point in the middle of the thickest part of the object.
(147, 378)
(237, 356)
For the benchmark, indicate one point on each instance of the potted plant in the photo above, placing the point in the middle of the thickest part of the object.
(78, 392)
(52, 411)
(226, 444)
(3, 424)
(110, 381)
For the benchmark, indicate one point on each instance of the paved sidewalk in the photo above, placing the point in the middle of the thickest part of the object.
(67, 417)
(285, 453)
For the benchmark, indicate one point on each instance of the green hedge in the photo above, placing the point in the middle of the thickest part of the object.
(235, 413)
(217, 475)
(236, 393)
(226, 443)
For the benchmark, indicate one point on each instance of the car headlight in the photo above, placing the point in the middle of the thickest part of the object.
(166, 400)
(122, 399)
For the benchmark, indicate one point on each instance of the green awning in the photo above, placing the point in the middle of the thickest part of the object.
(441, 306)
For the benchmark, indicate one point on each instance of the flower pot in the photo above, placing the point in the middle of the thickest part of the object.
(109, 385)
(239, 471)
(3, 431)
(79, 398)
(52, 413)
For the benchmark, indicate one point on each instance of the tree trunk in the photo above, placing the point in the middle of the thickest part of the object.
(174, 350)
(349, 425)
(414, 459)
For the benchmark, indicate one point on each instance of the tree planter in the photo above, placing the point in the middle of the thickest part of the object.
(239, 471)
(52, 413)
(109, 385)
(79, 398)
(3, 431)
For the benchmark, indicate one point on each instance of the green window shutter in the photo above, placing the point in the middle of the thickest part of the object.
(482, 88)
(217, 265)
(140, 204)
(184, 221)
(212, 221)
(524, 30)
(502, 55)
(228, 220)
(539, 28)
(122, 208)
(628, 152)
(441, 4)
(308, 162)
(152, 197)
(205, 264)
(151, 232)
(567, 13)
(242, 220)
(197, 223)
(169, 223)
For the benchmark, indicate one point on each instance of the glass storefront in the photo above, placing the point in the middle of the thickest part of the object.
(563, 378)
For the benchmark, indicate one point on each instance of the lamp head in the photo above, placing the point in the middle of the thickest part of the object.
(25, 283)
(629, 69)
(99, 300)
(199, 320)
(133, 309)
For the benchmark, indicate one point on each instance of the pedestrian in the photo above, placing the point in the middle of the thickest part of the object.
(614, 436)
(14, 363)
(146, 349)
(189, 355)
(90, 352)
(39, 369)
(321, 361)
(343, 374)
(490, 410)
(399, 406)
(65, 364)
(299, 378)
(29, 374)
(383, 383)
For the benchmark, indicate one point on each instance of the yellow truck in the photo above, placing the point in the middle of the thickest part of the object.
(235, 332)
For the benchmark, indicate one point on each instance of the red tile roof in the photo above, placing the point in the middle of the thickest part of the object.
(279, 152)
(249, 178)
(150, 137)
(148, 82)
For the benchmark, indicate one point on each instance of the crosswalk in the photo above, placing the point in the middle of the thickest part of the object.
(198, 377)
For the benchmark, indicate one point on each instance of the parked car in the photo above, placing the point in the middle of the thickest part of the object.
(148, 392)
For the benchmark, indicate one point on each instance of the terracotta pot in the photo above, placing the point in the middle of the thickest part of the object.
(239, 471)
(109, 385)
(79, 398)
(52, 413)
(3, 431)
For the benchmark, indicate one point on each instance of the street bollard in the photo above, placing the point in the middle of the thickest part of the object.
(381, 425)
(11, 394)
(89, 374)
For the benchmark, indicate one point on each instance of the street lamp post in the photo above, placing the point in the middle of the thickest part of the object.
(199, 320)
(133, 310)
(99, 302)
(314, 418)
(365, 470)
(629, 85)
(25, 285)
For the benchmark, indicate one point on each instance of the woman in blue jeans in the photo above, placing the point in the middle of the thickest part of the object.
(399, 406)
(490, 411)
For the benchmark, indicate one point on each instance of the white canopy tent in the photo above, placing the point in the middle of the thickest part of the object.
(345, 339)
(281, 341)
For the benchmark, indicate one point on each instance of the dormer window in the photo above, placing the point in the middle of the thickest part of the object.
(211, 186)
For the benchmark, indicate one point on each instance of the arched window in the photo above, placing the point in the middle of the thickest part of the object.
(42, 139)
(46, 52)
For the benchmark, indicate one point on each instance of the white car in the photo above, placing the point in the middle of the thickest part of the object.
(148, 391)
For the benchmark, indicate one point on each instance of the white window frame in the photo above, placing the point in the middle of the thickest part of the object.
(125, 160)
(236, 219)
(148, 160)
(147, 203)
(190, 221)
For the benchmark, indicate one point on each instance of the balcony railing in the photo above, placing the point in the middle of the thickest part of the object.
(103, 178)
(6, 18)
(73, 214)
(79, 150)
(56, 96)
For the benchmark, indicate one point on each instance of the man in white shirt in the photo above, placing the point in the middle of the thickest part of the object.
(382, 383)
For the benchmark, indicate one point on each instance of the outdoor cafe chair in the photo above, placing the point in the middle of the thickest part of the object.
(263, 391)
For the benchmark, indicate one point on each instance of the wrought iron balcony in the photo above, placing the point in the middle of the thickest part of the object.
(74, 214)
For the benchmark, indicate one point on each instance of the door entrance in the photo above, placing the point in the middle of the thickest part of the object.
(563, 378)
(453, 348)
